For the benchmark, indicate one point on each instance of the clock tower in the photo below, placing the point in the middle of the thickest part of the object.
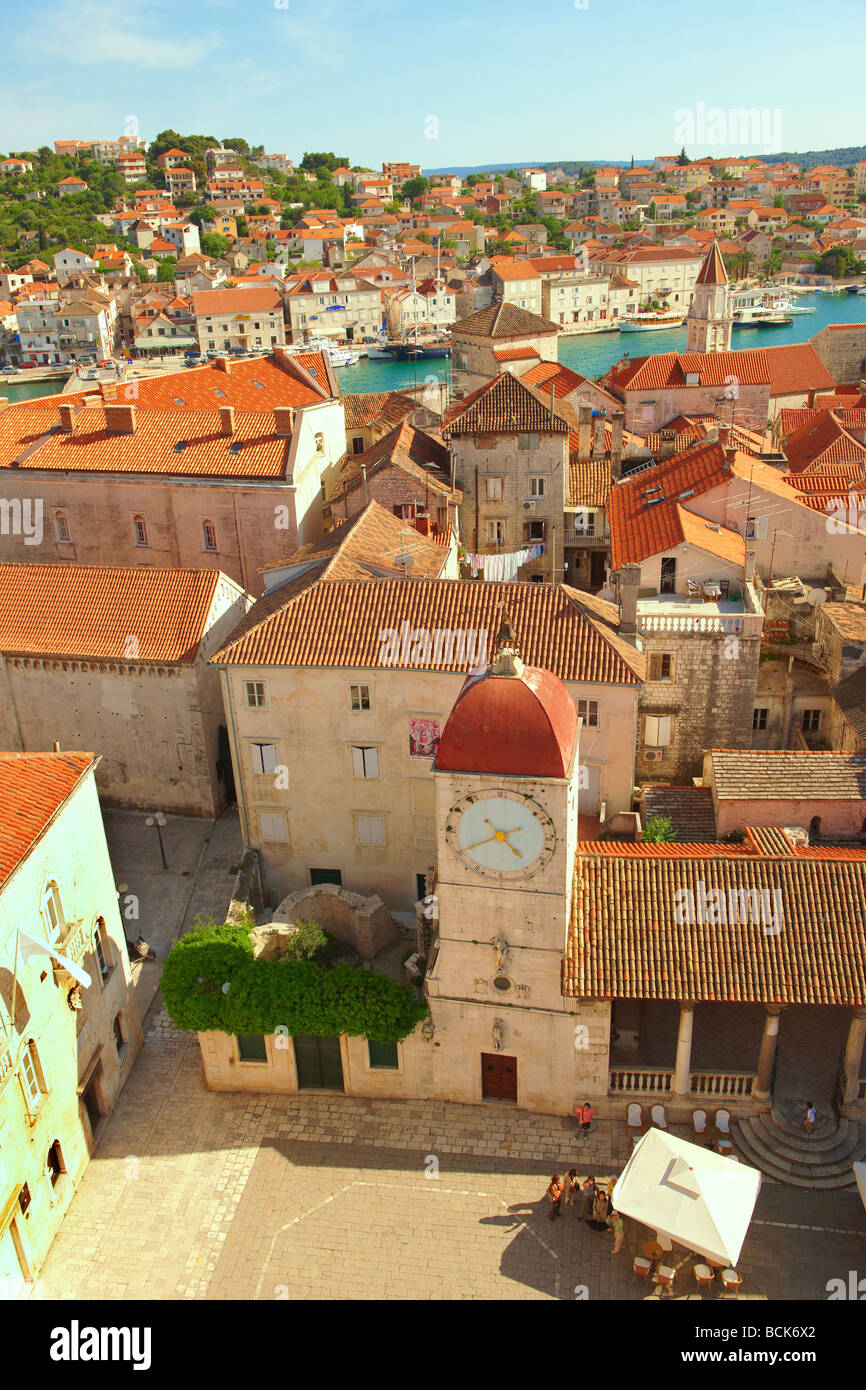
(506, 779)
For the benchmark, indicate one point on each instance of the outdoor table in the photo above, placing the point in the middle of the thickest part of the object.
(711, 591)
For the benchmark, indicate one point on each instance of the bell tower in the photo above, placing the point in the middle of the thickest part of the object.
(709, 323)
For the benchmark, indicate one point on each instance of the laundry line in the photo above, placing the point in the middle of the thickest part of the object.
(502, 565)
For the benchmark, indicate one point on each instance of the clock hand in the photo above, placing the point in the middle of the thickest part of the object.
(488, 841)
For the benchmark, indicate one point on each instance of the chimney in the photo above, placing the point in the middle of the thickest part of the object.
(730, 456)
(223, 364)
(724, 433)
(227, 419)
(120, 419)
(67, 417)
(668, 446)
(108, 390)
(56, 746)
(629, 583)
(598, 435)
(284, 421)
(584, 432)
(617, 421)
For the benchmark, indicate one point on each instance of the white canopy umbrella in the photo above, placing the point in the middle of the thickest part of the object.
(699, 1198)
(860, 1175)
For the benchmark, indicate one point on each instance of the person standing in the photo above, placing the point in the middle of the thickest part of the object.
(601, 1206)
(570, 1188)
(811, 1117)
(617, 1225)
(587, 1199)
(554, 1195)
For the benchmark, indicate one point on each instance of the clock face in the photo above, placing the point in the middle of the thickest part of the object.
(500, 834)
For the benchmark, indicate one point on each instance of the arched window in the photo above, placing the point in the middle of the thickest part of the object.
(52, 911)
(32, 1077)
(61, 526)
(139, 527)
(320, 443)
(102, 949)
(208, 534)
(815, 828)
(54, 1164)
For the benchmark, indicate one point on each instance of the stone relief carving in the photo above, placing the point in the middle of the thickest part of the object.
(497, 1035)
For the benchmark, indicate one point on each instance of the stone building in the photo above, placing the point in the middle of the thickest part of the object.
(532, 933)
(219, 466)
(360, 678)
(822, 793)
(842, 349)
(710, 322)
(503, 337)
(408, 472)
(118, 659)
(66, 1047)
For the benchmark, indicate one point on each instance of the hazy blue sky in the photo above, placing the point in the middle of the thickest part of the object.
(504, 81)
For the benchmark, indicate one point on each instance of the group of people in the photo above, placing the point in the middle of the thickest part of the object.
(593, 1204)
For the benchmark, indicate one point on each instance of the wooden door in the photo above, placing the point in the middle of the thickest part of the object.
(498, 1076)
(319, 1064)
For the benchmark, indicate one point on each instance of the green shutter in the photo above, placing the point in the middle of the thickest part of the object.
(382, 1054)
(252, 1048)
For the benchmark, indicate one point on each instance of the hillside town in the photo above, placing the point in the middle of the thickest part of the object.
(471, 769)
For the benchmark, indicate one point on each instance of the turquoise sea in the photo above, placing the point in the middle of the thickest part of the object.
(590, 354)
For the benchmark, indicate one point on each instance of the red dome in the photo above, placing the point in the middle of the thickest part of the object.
(516, 725)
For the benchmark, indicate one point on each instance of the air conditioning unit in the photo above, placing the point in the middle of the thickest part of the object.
(530, 504)
(653, 753)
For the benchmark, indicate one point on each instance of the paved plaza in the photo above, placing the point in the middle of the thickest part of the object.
(196, 1195)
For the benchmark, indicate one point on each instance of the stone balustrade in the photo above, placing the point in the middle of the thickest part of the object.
(701, 625)
(658, 1081)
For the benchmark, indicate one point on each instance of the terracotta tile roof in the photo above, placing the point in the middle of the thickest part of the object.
(364, 408)
(205, 302)
(589, 483)
(849, 619)
(33, 787)
(370, 545)
(821, 443)
(717, 540)
(624, 940)
(503, 320)
(689, 809)
(93, 611)
(761, 775)
(713, 272)
(506, 405)
(670, 369)
(639, 530)
(508, 268)
(796, 368)
(514, 354)
(412, 450)
(335, 623)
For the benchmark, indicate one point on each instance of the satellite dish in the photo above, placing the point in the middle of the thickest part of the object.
(816, 597)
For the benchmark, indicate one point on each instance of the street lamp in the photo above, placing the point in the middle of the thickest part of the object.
(159, 821)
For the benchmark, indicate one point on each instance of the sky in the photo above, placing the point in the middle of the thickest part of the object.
(483, 81)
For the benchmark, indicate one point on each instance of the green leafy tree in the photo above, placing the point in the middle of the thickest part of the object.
(682, 157)
(774, 263)
(659, 830)
(214, 244)
(312, 162)
(165, 270)
(415, 188)
(238, 143)
(839, 261)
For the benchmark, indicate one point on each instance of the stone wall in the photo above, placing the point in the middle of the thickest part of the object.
(362, 923)
(842, 349)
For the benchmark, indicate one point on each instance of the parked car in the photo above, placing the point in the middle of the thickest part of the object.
(30, 364)
(11, 368)
(105, 364)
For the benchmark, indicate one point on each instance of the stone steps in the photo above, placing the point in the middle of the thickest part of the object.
(820, 1161)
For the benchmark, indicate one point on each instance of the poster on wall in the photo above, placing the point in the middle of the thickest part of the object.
(423, 738)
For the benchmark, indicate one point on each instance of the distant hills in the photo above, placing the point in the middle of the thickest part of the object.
(844, 156)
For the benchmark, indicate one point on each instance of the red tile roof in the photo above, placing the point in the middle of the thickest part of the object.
(373, 544)
(95, 610)
(796, 369)
(503, 320)
(639, 530)
(337, 623)
(751, 367)
(625, 941)
(713, 272)
(210, 302)
(822, 443)
(506, 405)
(33, 787)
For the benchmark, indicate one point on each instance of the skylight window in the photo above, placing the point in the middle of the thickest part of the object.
(218, 393)
(313, 371)
(259, 384)
(177, 400)
(180, 446)
(650, 490)
(236, 447)
(689, 492)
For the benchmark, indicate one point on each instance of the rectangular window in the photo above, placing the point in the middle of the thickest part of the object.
(494, 488)
(759, 718)
(365, 762)
(272, 825)
(536, 486)
(102, 948)
(30, 1075)
(537, 530)
(140, 531)
(208, 531)
(358, 444)
(657, 731)
(359, 697)
(588, 712)
(811, 720)
(382, 1054)
(264, 757)
(251, 1047)
(661, 665)
(62, 527)
(370, 830)
(527, 441)
(256, 694)
(496, 532)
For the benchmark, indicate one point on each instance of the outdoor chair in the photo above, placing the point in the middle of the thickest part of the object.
(724, 1143)
(693, 590)
(704, 1276)
(699, 1123)
(635, 1121)
(665, 1276)
(659, 1117)
(641, 1266)
(731, 1281)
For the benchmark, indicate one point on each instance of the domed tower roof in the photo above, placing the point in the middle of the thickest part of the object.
(513, 719)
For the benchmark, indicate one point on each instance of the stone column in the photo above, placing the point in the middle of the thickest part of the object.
(854, 1054)
(769, 1038)
(683, 1063)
